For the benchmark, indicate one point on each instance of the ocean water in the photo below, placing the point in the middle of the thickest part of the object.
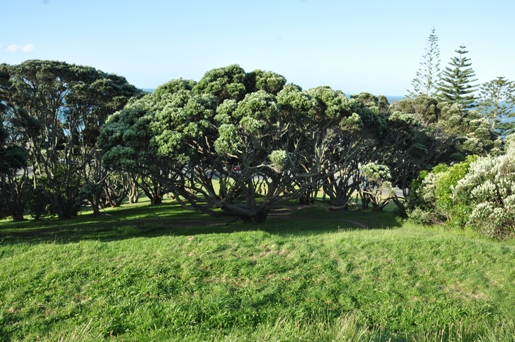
(393, 98)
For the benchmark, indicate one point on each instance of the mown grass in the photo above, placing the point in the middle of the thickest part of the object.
(144, 273)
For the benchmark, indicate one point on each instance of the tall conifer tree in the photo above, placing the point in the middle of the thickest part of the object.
(457, 84)
(497, 104)
(427, 78)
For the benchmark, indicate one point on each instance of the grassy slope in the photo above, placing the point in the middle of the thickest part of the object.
(154, 274)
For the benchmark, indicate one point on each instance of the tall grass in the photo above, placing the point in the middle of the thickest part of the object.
(160, 273)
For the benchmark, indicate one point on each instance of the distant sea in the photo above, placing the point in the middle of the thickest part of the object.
(393, 99)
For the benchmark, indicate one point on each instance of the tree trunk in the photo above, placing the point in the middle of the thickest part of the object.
(258, 217)
(133, 193)
(156, 199)
(16, 213)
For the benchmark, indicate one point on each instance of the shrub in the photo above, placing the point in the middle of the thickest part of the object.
(432, 200)
(422, 207)
(488, 190)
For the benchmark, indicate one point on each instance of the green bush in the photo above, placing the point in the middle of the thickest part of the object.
(432, 200)
(456, 213)
(422, 207)
(487, 192)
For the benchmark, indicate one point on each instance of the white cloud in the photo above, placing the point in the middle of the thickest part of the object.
(19, 48)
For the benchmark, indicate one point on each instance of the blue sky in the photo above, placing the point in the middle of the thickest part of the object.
(354, 46)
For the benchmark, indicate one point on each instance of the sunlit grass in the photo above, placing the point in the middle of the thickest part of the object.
(159, 273)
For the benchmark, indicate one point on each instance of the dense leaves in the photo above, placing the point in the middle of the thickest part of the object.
(239, 143)
(56, 110)
(487, 191)
(234, 143)
(457, 83)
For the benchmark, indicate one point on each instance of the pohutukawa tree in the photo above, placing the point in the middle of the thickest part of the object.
(14, 182)
(127, 149)
(457, 82)
(66, 106)
(239, 143)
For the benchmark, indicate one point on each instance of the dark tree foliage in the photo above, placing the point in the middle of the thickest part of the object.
(57, 110)
(14, 187)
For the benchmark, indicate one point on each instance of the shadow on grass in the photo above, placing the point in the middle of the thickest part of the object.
(172, 220)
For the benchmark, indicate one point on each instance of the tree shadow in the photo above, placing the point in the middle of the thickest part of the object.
(172, 220)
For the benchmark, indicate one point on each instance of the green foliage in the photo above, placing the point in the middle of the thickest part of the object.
(379, 104)
(432, 195)
(457, 132)
(427, 77)
(231, 120)
(457, 81)
(226, 111)
(422, 207)
(496, 103)
(296, 104)
(38, 205)
(125, 139)
(487, 193)
(423, 107)
(376, 187)
(375, 172)
(332, 103)
(472, 134)
(224, 83)
(257, 112)
(446, 181)
(278, 158)
(227, 142)
(353, 122)
(173, 87)
(14, 183)
(56, 110)
(267, 81)
(407, 119)
(12, 157)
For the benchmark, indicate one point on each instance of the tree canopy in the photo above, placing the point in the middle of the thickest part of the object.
(235, 143)
(56, 110)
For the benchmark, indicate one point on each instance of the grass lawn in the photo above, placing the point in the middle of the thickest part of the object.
(158, 273)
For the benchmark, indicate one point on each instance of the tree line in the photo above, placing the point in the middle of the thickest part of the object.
(234, 143)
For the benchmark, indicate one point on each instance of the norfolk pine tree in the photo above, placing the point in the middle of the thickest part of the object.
(428, 75)
(496, 103)
(457, 81)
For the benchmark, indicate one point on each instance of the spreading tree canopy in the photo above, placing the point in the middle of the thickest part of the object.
(237, 143)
